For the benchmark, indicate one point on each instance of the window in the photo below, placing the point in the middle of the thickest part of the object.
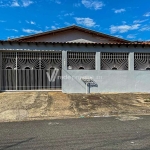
(52, 68)
(114, 68)
(27, 68)
(9, 68)
(81, 60)
(142, 61)
(114, 61)
(148, 69)
(81, 68)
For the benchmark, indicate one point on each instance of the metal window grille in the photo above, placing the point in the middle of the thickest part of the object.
(114, 61)
(81, 60)
(39, 60)
(141, 61)
(31, 71)
(9, 60)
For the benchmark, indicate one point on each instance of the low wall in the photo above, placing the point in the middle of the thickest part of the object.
(107, 81)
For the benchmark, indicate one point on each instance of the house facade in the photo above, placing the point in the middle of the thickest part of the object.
(74, 60)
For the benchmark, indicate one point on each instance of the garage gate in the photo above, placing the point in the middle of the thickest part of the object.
(31, 70)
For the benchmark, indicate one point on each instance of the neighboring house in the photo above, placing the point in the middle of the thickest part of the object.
(74, 60)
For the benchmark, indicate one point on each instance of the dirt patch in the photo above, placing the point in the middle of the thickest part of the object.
(45, 105)
(109, 104)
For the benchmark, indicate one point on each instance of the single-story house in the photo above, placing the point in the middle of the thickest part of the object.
(74, 60)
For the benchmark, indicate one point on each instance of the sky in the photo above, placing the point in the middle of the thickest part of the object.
(128, 19)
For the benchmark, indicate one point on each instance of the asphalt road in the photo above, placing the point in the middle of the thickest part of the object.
(77, 134)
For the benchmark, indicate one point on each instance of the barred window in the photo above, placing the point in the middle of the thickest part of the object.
(81, 60)
(114, 61)
(142, 61)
